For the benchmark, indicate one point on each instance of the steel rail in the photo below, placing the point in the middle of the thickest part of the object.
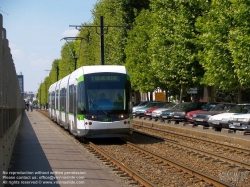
(199, 139)
(136, 176)
(200, 175)
(223, 158)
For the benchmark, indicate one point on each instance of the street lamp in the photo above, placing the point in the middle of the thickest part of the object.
(57, 72)
(71, 51)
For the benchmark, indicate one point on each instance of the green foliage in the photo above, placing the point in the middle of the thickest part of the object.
(215, 55)
(138, 61)
(239, 40)
(166, 44)
(173, 43)
(114, 37)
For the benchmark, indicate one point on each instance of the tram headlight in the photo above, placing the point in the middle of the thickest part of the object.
(123, 116)
(91, 117)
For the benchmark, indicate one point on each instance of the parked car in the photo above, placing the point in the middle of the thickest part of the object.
(204, 108)
(139, 112)
(140, 105)
(239, 122)
(148, 113)
(180, 113)
(202, 118)
(156, 114)
(221, 120)
(180, 107)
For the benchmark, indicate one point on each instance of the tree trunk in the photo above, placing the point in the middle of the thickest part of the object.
(166, 94)
(151, 96)
(210, 90)
(137, 96)
(239, 95)
(181, 93)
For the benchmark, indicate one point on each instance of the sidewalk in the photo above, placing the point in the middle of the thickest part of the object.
(45, 156)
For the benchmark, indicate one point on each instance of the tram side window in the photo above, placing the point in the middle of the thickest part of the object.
(62, 99)
(57, 100)
(65, 95)
(74, 100)
(52, 103)
(71, 96)
(81, 99)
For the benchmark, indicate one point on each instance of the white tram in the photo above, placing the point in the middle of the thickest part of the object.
(93, 101)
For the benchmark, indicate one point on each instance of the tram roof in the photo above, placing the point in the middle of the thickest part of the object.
(104, 68)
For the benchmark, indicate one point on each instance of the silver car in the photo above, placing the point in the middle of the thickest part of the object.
(157, 112)
(240, 122)
(141, 105)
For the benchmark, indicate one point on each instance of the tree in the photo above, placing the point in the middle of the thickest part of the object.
(239, 42)
(138, 61)
(215, 56)
(173, 47)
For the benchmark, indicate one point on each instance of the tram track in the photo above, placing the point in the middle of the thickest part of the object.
(206, 153)
(129, 177)
(152, 160)
(161, 171)
(195, 159)
(239, 155)
(133, 178)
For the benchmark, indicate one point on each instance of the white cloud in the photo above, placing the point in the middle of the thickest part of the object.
(70, 33)
(16, 53)
(40, 63)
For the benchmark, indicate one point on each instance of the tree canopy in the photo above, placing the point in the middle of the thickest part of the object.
(167, 44)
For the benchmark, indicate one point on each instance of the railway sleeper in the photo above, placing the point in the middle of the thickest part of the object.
(208, 158)
(116, 169)
(226, 164)
(202, 156)
(120, 172)
(125, 175)
(158, 162)
(107, 163)
(233, 168)
(134, 183)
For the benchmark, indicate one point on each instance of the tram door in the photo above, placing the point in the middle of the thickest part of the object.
(74, 108)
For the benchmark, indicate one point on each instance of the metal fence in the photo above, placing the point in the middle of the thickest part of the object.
(11, 101)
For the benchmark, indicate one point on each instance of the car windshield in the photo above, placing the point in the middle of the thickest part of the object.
(182, 106)
(208, 106)
(223, 107)
(240, 109)
(161, 105)
(153, 104)
(169, 105)
(143, 103)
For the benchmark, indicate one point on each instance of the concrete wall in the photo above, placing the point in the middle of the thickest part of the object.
(11, 103)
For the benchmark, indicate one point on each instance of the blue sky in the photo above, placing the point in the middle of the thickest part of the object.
(34, 30)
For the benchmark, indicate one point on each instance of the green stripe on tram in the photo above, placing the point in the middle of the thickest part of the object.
(80, 79)
(80, 116)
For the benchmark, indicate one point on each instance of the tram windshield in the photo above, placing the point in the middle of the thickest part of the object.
(105, 93)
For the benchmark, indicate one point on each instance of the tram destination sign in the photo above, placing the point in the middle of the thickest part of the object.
(105, 78)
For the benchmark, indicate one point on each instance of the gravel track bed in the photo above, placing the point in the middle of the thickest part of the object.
(213, 167)
(156, 171)
(243, 156)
